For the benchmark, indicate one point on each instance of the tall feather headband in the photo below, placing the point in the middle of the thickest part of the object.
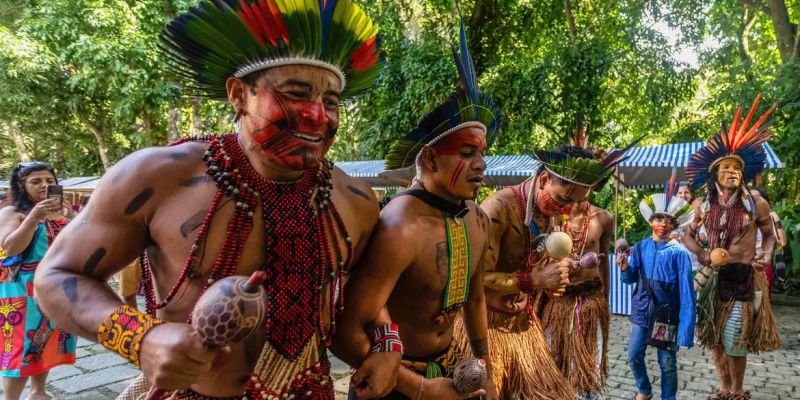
(740, 142)
(466, 107)
(667, 203)
(582, 171)
(218, 39)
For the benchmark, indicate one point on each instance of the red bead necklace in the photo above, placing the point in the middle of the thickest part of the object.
(302, 228)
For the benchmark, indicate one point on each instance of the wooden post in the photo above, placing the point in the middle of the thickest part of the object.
(624, 228)
(616, 207)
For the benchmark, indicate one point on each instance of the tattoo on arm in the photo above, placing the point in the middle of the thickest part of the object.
(139, 201)
(70, 286)
(358, 192)
(197, 180)
(480, 347)
(93, 261)
(193, 223)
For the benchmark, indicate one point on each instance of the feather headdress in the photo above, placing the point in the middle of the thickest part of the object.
(582, 171)
(218, 39)
(740, 142)
(465, 108)
(667, 203)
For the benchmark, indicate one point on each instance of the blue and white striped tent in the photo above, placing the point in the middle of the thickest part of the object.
(500, 171)
(651, 166)
(647, 166)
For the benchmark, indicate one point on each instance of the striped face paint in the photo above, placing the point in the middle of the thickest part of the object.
(293, 134)
(462, 163)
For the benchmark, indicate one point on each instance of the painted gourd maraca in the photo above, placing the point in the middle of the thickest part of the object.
(469, 375)
(589, 260)
(719, 257)
(230, 309)
(558, 245)
(621, 246)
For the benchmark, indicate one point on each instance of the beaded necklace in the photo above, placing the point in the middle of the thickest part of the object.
(579, 243)
(302, 228)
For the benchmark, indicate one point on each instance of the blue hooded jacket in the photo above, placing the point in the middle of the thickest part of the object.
(670, 278)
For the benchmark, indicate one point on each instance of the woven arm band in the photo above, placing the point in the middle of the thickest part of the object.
(122, 332)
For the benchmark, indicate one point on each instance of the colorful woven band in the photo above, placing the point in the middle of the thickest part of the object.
(387, 339)
(122, 332)
(524, 281)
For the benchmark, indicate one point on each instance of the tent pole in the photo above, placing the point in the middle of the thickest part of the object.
(624, 228)
(616, 205)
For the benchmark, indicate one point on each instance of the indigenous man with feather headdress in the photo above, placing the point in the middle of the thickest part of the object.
(571, 322)
(423, 263)
(517, 264)
(264, 198)
(734, 312)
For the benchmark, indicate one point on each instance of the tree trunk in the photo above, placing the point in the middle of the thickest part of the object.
(197, 123)
(784, 29)
(573, 30)
(19, 142)
(98, 129)
(748, 20)
(173, 122)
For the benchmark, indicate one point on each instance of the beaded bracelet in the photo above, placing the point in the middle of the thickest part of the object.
(387, 339)
(524, 281)
(122, 332)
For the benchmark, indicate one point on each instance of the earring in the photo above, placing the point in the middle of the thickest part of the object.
(237, 121)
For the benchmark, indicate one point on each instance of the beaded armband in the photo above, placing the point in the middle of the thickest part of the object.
(387, 339)
(524, 281)
(122, 332)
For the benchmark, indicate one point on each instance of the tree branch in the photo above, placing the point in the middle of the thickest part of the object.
(748, 20)
(573, 31)
(756, 4)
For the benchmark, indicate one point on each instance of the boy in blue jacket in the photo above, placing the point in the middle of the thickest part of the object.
(668, 270)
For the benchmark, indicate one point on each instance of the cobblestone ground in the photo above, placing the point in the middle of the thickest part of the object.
(100, 375)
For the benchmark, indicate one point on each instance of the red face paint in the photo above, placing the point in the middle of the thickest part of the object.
(452, 143)
(293, 134)
(547, 204)
(456, 174)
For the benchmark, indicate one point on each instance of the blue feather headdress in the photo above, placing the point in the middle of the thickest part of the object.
(468, 107)
(739, 142)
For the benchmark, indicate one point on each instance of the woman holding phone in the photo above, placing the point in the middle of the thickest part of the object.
(30, 344)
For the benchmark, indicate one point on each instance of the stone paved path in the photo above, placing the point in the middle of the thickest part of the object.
(99, 375)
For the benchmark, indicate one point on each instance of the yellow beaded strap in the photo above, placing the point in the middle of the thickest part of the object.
(2, 253)
(122, 332)
(460, 263)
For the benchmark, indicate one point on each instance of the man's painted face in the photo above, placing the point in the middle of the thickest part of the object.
(292, 115)
(685, 193)
(661, 227)
(729, 173)
(557, 198)
(460, 163)
(36, 184)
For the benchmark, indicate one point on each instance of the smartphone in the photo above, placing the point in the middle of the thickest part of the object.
(55, 191)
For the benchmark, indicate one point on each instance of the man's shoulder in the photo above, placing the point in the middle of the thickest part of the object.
(159, 162)
(355, 189)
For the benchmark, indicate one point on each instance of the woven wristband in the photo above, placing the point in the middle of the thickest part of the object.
(524, 281)
(122, 332)
(387, 339)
